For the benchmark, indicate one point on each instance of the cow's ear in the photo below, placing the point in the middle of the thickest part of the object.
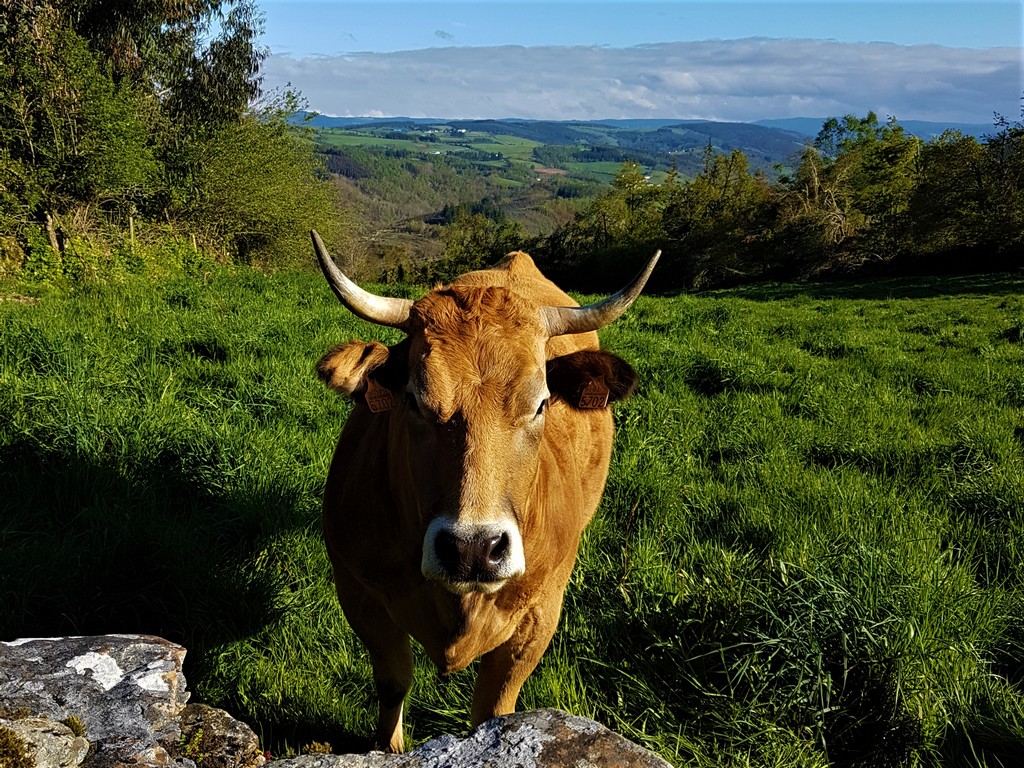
(590, 379)
(347, 367)
(368, 373)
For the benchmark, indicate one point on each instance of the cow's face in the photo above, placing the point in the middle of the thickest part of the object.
(474, 406)
(466, 399)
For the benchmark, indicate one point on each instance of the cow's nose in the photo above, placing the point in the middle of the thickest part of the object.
(464, 557)
(477, 557)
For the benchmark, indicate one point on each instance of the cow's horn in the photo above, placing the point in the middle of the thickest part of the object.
(377, 309)
(562, 320)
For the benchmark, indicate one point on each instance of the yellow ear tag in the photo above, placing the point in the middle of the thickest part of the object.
(378, 398)
(595, 395)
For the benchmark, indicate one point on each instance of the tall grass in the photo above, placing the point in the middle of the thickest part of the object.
(810, 551)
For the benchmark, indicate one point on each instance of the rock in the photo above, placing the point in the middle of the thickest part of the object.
(129, 693)
(215, 739)
(541, 738)
(50, 744)
(127, 690)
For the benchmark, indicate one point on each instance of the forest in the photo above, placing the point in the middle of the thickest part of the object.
(865, 198)
(139, 138)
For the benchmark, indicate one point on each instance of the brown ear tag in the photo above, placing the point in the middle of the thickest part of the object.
(378, 398)
(595, 395)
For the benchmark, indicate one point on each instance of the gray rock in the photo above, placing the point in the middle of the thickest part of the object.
(51, 744)
(219, 739)
(128, 691)
(542, 738)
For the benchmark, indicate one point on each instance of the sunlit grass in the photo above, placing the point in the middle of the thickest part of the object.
(810, 551)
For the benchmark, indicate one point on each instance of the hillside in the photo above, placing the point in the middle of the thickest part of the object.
(678, 141)
(774, 139)
(741, 201)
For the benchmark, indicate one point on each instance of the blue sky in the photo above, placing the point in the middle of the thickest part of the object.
(304, 28)
(951, 61)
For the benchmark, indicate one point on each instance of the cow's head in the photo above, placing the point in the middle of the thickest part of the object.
(467, 394)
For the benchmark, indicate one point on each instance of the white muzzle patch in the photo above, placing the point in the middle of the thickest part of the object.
(472, 557)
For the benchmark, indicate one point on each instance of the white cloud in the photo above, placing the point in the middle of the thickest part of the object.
(725, 80)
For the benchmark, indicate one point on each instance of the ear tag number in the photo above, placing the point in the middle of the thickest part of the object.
(378, 398)
(595, 395)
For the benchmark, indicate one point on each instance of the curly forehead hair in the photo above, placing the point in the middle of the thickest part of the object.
(450, 312)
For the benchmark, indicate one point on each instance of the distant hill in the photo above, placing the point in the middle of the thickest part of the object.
(765, 146)
(581, 131)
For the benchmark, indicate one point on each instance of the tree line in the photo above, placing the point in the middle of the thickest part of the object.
(139, 131)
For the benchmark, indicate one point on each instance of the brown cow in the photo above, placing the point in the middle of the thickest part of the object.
(475, 456)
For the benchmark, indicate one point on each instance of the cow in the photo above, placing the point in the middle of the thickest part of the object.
(475, 454)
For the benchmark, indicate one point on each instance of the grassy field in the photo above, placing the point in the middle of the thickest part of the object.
(810, 551)
(604, 171)
(511, 147)
(340, 139)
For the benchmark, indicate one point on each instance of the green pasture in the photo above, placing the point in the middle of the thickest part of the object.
(512, 147)
(501, 181)
(604, 171)
(332, 137)
(810, 551)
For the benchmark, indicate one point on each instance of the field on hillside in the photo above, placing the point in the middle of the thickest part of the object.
(810, 551)
(505, 148)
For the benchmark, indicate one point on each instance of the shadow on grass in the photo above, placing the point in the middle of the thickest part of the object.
(1002, 284)
(90, 547)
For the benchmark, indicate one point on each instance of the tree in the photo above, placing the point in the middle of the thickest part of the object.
(260, 189)
(113, 111)
(1004, 156)
(69, 134)
(625, 218)
(951, 203)
(849, 199)
(721, 220)
(474, 241)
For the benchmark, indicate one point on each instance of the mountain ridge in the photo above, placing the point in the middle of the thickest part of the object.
(805, 127)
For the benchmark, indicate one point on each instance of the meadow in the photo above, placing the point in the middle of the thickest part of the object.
(810, 551)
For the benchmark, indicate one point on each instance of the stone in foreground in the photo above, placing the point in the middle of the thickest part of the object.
(129, 694)
(541, 738)
(126, 689)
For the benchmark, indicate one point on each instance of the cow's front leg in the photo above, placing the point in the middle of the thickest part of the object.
(391, 657)
(503, 671)
(392, 675)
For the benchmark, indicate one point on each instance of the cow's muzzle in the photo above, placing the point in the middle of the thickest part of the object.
(468, 557)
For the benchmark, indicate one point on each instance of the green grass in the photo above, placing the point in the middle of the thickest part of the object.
(512, 147)
(340, 139)
(603, 171)
(810, 551)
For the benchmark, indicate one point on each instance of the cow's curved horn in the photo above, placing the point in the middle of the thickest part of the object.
(377, 309)
(563, 320)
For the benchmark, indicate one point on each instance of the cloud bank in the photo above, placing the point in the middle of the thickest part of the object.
(740, 80)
